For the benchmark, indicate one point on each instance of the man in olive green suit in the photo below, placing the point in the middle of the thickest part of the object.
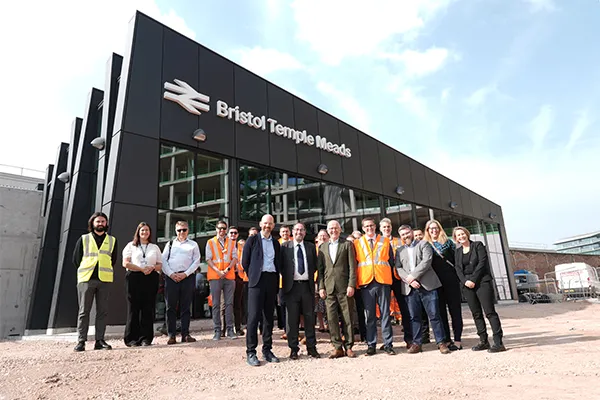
(337, 280)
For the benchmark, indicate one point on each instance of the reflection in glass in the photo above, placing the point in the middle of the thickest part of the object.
(422, 217)
(165, 230)
(448, 220)
(176, 183)
(497, 261)
(399, 213)
(310, 201)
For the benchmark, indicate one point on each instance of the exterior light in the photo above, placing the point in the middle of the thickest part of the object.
(453, 205)
(98, 143)
(64, 177)
(322, 169)
(199, 135)
(399, 190)
(492, 215)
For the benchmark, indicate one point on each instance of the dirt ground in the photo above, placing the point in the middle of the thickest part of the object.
(554, 353)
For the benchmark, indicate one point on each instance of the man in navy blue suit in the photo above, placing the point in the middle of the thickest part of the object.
(261, 261)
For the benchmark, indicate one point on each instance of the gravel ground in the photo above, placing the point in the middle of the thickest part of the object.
(554, 353)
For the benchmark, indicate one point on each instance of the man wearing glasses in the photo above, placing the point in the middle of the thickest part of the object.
(181, 258)
(238, 294)
(222, 258)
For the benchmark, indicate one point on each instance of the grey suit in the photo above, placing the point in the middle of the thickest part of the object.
(426, 296)
(335, 278)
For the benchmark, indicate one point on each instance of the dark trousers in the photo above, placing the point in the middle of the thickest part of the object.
(86, 292)
(300, 301)
(360, 312)
(179, 293)
(417, 299)
(261, 304)
(483, 297)
(449, 300)
(238, 303)
(141, 301)
(245, 303)
(336, 302)
(401, 299)
(372, 294)
(281, 320)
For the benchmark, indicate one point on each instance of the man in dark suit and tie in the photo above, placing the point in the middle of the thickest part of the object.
(298, 266)
(337, 280)
(261, 260)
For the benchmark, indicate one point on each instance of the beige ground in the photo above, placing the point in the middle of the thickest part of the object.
(554, 353)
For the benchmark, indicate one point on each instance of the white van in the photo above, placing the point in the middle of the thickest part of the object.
(577, 279)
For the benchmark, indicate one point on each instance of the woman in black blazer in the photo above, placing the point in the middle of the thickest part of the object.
(473, 269)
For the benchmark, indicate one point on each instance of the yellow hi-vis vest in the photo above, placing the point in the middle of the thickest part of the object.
(373, 264)
(221, 258)
(92, 256)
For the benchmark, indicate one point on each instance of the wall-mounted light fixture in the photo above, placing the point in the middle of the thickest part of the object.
(492, 215)
(199, 135)
(453, 205)
(399, 190)
(64, 177)
(98, 143)
(322, 169)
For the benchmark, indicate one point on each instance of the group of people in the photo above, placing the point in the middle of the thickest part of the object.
(349, 282)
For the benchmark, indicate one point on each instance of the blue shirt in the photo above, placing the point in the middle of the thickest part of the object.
(268, 254)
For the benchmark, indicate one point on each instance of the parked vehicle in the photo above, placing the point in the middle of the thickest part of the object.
(577, 280)
(527, 281)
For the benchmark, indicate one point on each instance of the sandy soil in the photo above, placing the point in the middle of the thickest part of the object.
(554, 353)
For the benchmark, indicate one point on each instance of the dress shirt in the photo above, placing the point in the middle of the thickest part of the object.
(185, 257)
(333, 246)
(268, 254)
(136, 253)
(372, 241)
(411, 254)
(209, 254)
(297, 276)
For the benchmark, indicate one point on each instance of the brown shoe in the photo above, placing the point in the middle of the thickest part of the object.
(188, 339)
(303, 341)
(350, 353)
(408, 345)
(284, 337)
(337, 353)
(414, 349)
(444, 348)
(171, 340)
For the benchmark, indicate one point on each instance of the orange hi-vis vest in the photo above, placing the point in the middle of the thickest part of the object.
(221, 258)
(373, 264)
(395, 243)
(242, 274)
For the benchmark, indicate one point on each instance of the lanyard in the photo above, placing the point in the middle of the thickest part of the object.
(143, 251)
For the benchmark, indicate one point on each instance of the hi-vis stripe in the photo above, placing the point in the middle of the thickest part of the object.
(88, 253)
(366, 248)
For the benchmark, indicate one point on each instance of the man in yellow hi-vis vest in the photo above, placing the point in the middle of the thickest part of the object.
(94, 256)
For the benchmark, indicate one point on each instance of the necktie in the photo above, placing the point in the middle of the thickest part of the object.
(301, 268)
(372, 245)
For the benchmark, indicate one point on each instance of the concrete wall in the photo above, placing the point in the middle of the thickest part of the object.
(19, 181)
(542, 262)
(20, 234)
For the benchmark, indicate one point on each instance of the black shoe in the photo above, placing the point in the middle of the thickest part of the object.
(146, 343)
(252, 360)
(389, 350)
(454, 347)
(312, 351)
(268, 356)
(382, 347)
(102, 345)
(497, 348)
(481, 346)
(132, 343)
(371, 351)
(294, 355)
(80, 346)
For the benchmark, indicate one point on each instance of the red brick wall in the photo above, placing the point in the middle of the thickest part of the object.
(543, 262)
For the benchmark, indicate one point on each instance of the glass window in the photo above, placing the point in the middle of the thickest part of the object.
(165, 230)
(399, 212)
(497, 261)
(176, 184)
(361, 205)
(309, 196)
(254, 192)
(283, 197)
(448, 220)
(422, 214)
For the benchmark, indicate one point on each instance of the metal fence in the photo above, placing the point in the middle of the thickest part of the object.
(551, 290)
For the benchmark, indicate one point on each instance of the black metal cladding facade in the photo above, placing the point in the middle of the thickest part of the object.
(125, 173)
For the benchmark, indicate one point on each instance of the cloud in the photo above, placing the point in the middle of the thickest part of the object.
(353, 110)
(540, 125)
(445, 95)
(582, 123)
(264, 61)
(413, 102)
(541, 5)
(418, 64)
(358, 27)
(479, 97)
(58, 61)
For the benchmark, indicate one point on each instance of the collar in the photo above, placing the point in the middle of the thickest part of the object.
(298, 243)
(266, 238)
(374, 237)
(334, 241)
(180, 241)
(412, 244)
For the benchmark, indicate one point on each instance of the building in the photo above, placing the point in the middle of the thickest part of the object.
(588, 243)
(180, 132)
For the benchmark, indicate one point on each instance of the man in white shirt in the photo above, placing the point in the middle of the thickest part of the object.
(181, 258)
(298, 266)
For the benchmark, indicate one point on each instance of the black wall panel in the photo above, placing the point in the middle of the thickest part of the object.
(433, 188)
(328, 127)
(419, 180)
(476, 204)
(445, 196)
(369, 156)
(455, 197)
(387, 166)
(281, 108)
(113, 166)
(351, 166)
(404, 177)
(180, 61)
(309, 157)
(465, 195)
(144, 84)
(251, 96)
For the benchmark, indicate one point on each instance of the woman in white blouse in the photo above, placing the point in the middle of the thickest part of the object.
(142, 259)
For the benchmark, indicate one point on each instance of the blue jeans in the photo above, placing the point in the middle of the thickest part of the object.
(429, 300)
(372, 294)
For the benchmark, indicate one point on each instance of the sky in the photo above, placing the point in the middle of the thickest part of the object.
(501, 96)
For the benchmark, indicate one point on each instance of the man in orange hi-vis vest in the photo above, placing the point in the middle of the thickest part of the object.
(222, 259)
(375, 259)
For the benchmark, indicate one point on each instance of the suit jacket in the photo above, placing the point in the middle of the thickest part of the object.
(478, 269)
(423, 271)
(288, 249)
(336, 277)
(252, 258)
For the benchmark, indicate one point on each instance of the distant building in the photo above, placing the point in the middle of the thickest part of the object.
(588, 243)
